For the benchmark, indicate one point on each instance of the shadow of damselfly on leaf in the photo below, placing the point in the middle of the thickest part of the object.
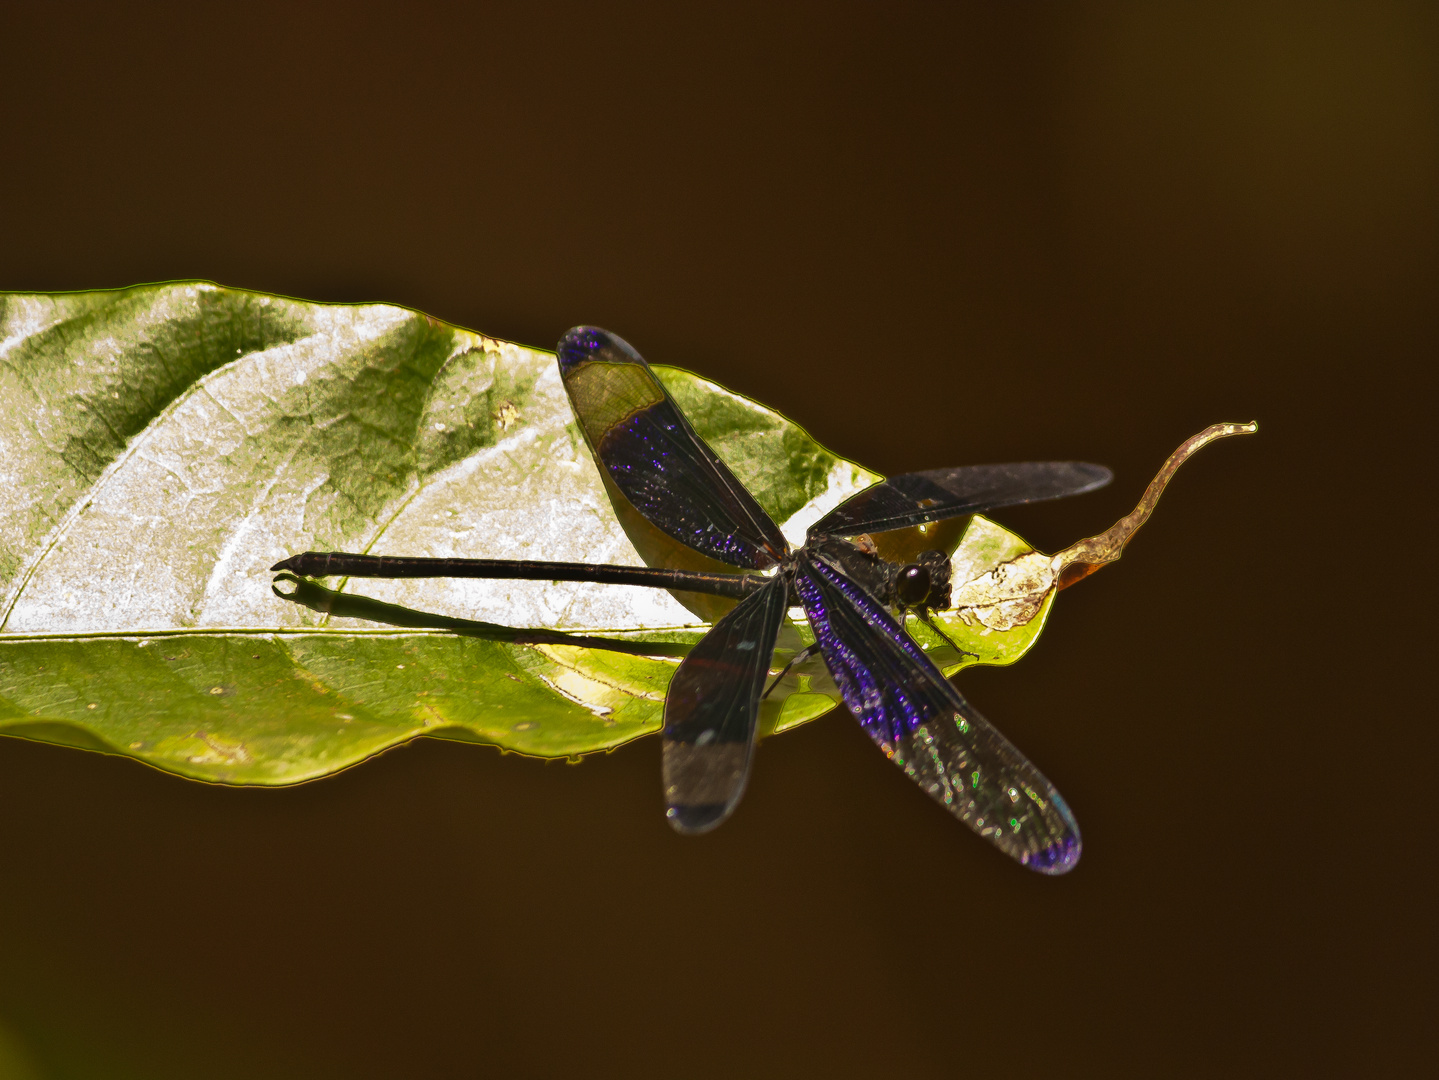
(862, 572)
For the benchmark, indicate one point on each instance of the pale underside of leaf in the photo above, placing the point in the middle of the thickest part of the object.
(161, 447)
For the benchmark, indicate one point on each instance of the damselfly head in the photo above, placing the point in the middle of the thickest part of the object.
(924, 583)
(911, 587)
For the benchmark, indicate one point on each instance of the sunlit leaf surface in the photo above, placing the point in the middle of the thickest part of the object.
(162, 446)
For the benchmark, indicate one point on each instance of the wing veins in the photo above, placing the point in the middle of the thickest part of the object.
(927, 728)
(922, 497)
(712, 709)
(656, 459)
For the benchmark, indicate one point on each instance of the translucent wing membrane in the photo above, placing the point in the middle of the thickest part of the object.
(925, 727)
(711, 708)
(915, 498)
(654, 458)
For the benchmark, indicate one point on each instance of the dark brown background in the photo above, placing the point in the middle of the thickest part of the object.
(933, 235)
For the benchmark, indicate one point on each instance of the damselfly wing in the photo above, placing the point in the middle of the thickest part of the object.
(923, 724)
(660, 472)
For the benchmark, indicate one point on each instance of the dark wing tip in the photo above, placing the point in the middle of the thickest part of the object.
(1062, 854)
(1058, 858)
(583, 343)
(698, 818)
(703, 783)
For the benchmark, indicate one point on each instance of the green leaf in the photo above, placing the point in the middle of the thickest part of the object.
(163, 445)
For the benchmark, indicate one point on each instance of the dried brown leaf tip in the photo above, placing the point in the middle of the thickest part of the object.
(1009, 595)
(1078, 561)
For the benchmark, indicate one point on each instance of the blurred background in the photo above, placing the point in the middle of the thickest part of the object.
(932, 234)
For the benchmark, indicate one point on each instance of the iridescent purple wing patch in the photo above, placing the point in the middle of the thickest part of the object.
(924, 726)
(655, 460)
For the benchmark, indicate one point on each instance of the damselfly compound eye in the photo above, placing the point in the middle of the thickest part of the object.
(911, 588)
